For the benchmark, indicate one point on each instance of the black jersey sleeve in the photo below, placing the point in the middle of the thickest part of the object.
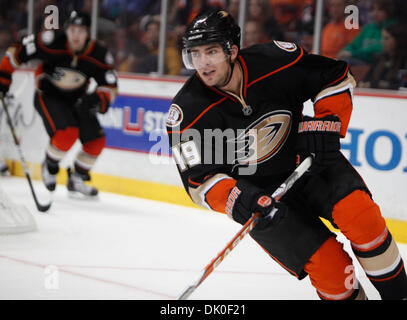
(29, 48)
(104, 74)
(200, 159)
(328, 83)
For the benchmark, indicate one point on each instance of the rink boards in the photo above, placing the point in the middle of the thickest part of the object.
(137, 160)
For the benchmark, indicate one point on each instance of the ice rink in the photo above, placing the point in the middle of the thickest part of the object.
(121, 247)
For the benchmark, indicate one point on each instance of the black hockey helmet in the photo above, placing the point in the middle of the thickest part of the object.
(212, 26)
(78, 18)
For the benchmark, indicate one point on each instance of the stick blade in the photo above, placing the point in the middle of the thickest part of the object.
(43, 208)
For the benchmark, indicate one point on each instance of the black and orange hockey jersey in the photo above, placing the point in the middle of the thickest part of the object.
(62, 72)
(217, 137)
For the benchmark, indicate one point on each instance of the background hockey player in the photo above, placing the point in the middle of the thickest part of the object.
(69, 60)
(259, 93)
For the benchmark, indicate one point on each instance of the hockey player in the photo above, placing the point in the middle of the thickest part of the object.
(69, 60)
(258, 94)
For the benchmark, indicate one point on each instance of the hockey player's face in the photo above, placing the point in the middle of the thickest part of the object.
(212, 64)
(77, 36)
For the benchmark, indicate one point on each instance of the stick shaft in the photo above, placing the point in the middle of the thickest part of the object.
(39, 206)
(248, 226)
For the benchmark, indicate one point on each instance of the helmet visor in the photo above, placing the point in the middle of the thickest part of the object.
(202, 57)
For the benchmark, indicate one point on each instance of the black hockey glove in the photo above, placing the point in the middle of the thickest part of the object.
(3, 89)
(245, 199)
(89, 103)
(319, 137)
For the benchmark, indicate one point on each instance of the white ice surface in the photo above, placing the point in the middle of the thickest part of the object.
(121, 247)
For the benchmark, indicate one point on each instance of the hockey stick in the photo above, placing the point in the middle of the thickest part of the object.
(40, 207)
(248, 226)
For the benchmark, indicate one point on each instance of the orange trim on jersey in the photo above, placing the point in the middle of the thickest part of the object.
(200, 116)
(339, 104)
(340, 78)
(6, 65)
(217, 196)
(90, 47)
(277, 70)
(245, 74)
(46, 113)
(39, 70)
(7, 82)
(104, 99)
(193, 183)
(95, 61)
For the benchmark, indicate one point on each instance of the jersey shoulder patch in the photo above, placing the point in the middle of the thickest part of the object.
(287, 46)
(175, 116)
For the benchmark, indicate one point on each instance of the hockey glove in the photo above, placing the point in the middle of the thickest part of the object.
(89, 103)
(319, 137)
(245, 199)
(3, 90)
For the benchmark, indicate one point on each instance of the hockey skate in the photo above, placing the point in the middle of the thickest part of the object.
(76, 184)
(49, 179)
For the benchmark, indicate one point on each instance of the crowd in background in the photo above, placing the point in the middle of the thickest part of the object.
(376, 48)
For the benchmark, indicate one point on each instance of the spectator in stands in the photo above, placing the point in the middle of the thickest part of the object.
(367, 44)
(5, 40)
(306, 36)
(233, 8)
(188, 10)
(149, 63)
(261, 11)
(254, 33)
(386, 70)
(365, 9)
(288, 12)
(335, 34)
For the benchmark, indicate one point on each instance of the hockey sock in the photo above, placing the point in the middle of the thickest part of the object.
(87, 157)
(331, 272)
(360, 220)
(52, 158)
(383, 265)
(83, 163)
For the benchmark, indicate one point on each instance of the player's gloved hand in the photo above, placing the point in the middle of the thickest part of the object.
(3, 89)
(89, 103)
(319, 137)
(245, 199)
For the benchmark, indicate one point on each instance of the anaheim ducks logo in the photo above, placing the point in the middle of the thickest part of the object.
(263, 138)
(67, 79)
